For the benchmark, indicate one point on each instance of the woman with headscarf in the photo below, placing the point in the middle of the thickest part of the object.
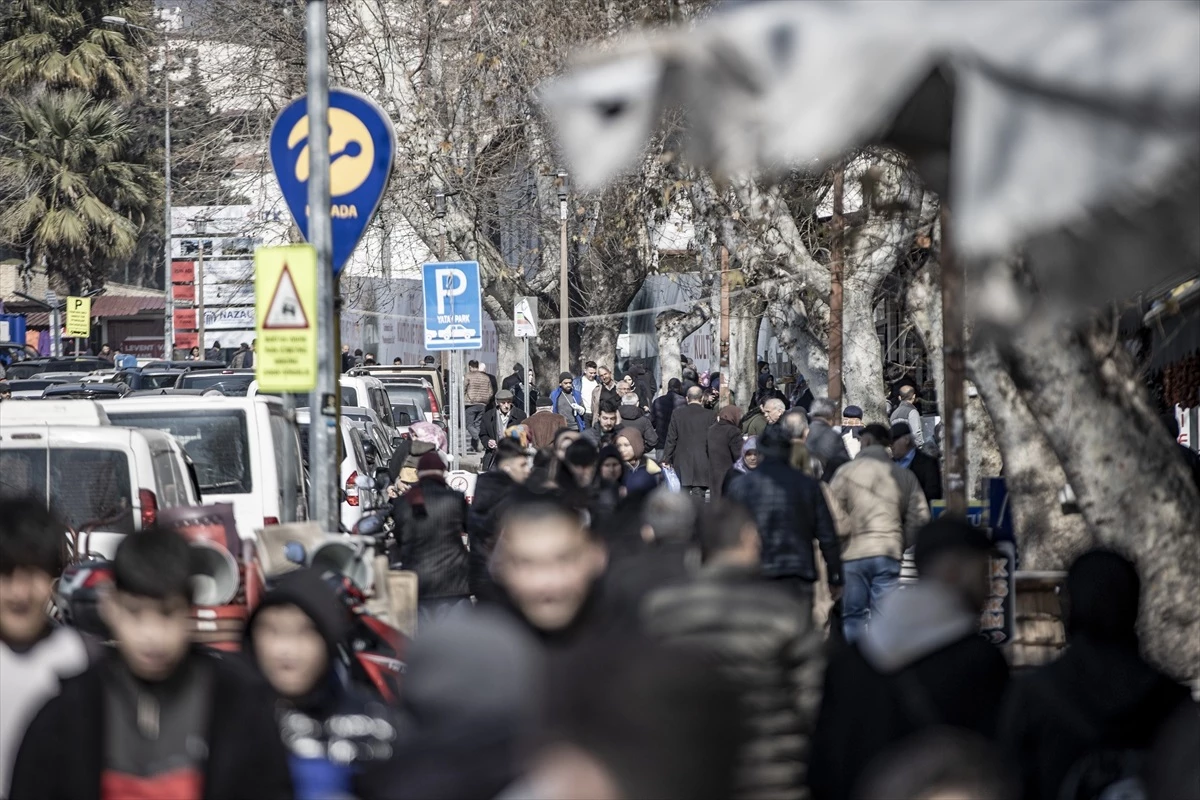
(641, 472)
(724, 446)
(767, 390)
(748, 462)
(610, 476)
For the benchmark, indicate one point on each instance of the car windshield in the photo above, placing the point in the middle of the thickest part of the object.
(165, 380)
(228, 384)
(85, 485)
(408, 395)
(216, 441)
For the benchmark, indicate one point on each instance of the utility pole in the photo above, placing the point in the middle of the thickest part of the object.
(837, 263)
(953, 352)
(564, 340)
(325, 402)
(723, 400)
(202, 229)
(168, 282)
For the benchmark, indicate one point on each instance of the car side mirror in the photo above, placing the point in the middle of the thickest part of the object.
(295, 553)
(397, 441)
(403, 419)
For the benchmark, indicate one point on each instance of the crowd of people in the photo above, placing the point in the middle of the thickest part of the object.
(647, 596)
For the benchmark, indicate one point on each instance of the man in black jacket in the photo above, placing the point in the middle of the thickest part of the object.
(1100, 695)
(662, 409)
(790, 511)
(823, 441)
(495, 422)
(431, 519)
(920, 665)
(632, 416)
(493, 489)
(157, 718)
(926, 467)
(762, 639)
(687, 443)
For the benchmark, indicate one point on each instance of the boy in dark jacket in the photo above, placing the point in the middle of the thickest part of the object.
(293, 639)
(158, 717)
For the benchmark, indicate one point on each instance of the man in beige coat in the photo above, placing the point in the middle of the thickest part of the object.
(882, 507)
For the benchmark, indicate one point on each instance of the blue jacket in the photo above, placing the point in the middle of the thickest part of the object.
(578, 399)
(790, 511)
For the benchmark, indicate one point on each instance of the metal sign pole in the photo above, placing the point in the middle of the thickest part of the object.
(524, 381)
(451, 412)
(462, 399)
(325, 402)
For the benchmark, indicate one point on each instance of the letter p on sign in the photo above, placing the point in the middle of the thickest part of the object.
(450, 283)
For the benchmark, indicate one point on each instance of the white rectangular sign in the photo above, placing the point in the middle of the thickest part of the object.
(525, 318)
(228, 318)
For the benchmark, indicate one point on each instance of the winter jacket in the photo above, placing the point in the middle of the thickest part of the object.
(790, 512)
(826, 444)
(602, 392)
(492, 490)
(921, 664)
(576, 418)
(687, 444)
(600, 437)
(908, 414)
(764, 642)
(754, 423)
(27, 680)
(634, 576)
(64, 756)
(328, 718)
(478, 389)
(429, 538)
(882, 503)
(542, 427)
(1097, 696)
(661, 411)
(634, 417)
(929, 474)
(490, 429)
(724, 448)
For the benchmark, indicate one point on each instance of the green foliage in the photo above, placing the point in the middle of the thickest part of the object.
(81, 203)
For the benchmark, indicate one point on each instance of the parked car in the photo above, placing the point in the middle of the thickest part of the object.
(86, 391)
(403, 373)
(40, 366)
(378, 444)
(150, 379)
(229, 382)
(33, 387)
(414, 391)
(364, 390)
(246, 451)
(92, 473)
(355, 462)
(186, 366)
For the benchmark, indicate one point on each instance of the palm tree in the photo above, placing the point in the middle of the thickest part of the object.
(63, 44)
(80, 202)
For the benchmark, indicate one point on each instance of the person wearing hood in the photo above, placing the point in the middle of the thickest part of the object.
(802, 396)
(767, 390)
(642, 473)
(431, 520)
(632, 416)
(921, 664)
(748, 462)
(1100, 701)
(883, 507)
(610, 476)
(724, 447)
(293, 639)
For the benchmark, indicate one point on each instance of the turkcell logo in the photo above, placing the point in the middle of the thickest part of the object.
(453, 306)
(361, 145)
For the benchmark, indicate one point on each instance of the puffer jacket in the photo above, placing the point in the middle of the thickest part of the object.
(429, 536)
(790, 512)
(882, 504)
(765, 644)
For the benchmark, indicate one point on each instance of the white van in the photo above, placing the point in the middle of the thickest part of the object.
(354, 463)
(241, 446)
(95, 475)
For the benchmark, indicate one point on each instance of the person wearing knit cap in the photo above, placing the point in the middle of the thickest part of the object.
(852, 425)
(431, 520)
(293, 638)
(567, 401)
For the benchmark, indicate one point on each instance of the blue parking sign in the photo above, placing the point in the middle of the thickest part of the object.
(453, 307)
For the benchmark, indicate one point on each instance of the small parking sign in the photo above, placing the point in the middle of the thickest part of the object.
(453, 308)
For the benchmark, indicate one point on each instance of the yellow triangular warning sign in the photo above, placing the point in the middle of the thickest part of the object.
(286, 311)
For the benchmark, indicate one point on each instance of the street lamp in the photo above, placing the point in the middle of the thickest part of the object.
(169, 302)
(563, 338)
